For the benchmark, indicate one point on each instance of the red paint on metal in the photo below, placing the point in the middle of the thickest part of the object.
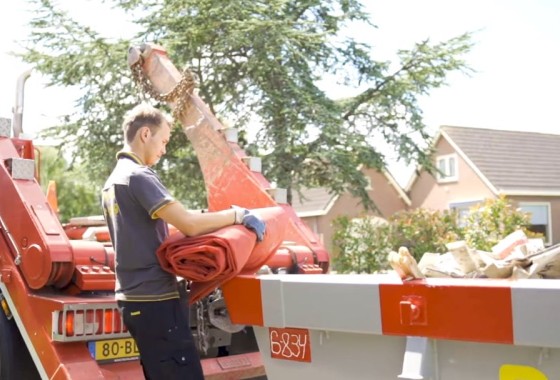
(36, 237)
(234, 367)
(60, 360)
(243, 300)
(127, 370)
(309, 269)
(291, 256)
(290, 344)
(24, 148)
(469, 310)
(74, 232)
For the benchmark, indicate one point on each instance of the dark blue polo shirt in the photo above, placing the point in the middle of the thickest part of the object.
(131, 198)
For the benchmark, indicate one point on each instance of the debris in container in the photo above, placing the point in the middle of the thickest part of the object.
(507, 245)
(515, 256)
(405, 264)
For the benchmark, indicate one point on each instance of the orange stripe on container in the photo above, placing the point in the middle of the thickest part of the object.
(479, 312)
(243, 299)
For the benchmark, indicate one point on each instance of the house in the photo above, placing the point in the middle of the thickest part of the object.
(476, 164)
(318, 208)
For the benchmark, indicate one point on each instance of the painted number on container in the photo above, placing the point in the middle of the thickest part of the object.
(290, 344)
(520, 372)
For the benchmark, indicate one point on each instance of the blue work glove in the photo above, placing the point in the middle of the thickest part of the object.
(250, 221)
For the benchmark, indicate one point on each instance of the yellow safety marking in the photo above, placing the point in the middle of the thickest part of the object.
(6, 308)
(135, 313)
(110, 204)
(520, 372)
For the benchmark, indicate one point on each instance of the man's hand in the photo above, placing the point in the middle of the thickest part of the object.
(250, 221)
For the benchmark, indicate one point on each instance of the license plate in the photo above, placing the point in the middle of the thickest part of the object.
(114, 349)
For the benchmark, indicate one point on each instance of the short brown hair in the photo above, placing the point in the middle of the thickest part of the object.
(143, 115)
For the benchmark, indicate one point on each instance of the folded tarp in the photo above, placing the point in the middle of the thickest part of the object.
(210, 260)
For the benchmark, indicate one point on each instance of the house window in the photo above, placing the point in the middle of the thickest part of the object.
(540, 220)
(463, 209)
(447, 168)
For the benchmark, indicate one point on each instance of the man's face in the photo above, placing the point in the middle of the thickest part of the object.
(156, 143)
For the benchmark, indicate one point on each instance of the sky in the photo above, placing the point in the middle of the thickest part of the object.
(516, 59)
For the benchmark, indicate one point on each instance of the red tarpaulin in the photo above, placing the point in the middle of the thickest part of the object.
(210, 260)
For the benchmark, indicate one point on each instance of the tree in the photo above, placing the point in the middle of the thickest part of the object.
(76, 56)
(77, 196)
(258, 64)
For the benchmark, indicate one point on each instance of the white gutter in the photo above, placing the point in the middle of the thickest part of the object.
(533, 193)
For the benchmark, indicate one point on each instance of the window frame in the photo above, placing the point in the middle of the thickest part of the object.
(440, 178)
(548, 240)
(460, 206)
(369, 186)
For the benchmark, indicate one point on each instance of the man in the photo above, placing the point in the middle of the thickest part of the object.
(138, 209)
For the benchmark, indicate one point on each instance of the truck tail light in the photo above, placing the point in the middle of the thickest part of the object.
(112, 321)
(69, 325)
(87, 322)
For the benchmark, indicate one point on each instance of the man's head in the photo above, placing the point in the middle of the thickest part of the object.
(146, 132)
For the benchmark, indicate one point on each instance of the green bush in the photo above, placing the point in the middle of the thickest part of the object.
(362, 245)
(489, 222)
(423, 230)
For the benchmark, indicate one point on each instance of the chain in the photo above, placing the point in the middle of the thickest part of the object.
(201, 326)
(179, 94)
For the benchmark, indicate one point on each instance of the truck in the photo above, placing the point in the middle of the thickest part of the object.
(294, 319)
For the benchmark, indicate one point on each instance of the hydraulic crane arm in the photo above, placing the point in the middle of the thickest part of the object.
(228, 177)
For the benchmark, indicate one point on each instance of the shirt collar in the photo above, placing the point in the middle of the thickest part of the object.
(130, 155)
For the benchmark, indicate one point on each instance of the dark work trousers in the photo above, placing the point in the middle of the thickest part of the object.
(164, 339)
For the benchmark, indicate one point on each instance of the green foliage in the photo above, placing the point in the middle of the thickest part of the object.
(259, 64)
(77, 196)
(424, 230)
(363, 247)
(77, 57)
(489, 222)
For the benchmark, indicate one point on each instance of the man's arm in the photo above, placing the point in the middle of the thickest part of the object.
(194, 223)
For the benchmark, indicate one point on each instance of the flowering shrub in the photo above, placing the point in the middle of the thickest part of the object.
(489, 222)
(362, 245)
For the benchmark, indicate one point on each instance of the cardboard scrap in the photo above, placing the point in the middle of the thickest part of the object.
(515, 257)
